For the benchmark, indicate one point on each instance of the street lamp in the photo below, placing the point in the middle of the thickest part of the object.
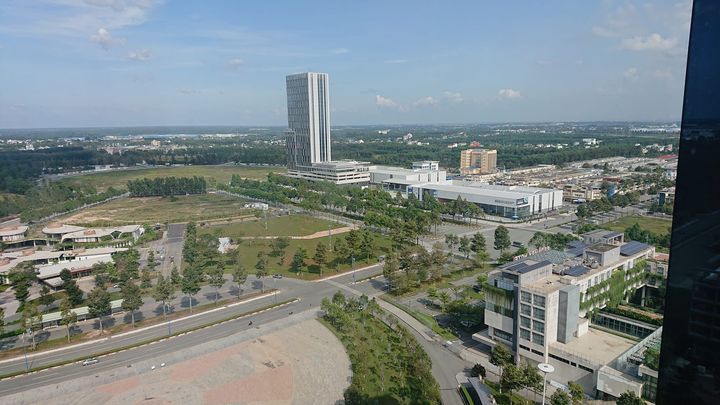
(546, 369)
(352, 265)
(167, 309)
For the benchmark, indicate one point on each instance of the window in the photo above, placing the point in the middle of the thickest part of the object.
(538, 339)
(502, 334)
(539, 314)
(524, 334)
(524, 321)
(525, 296)
(538, 326)
(539, 300)
(525, 309)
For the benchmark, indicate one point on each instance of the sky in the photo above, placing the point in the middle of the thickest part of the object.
(77, 63)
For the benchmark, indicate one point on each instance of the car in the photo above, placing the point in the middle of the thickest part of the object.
(477, 288)
(90, 361)
(447, 343)
(517, 244)
(277, 276)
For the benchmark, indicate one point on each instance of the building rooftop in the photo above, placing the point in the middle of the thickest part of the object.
(601, 247)
(596, 345)
(632, 248)
(61, 229)
(14, 230)
(526, 266)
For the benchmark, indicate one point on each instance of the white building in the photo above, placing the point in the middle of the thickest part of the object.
(507, 201)
(425, 172)
(536, 306)
(13, 233)
(308, 140)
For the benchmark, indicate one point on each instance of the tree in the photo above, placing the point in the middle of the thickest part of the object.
(71, 288)
(260, 275)
(390, 268)
(583, 211)
(132, 299)
(320, 256)
(2, 319)
(216, 279)
(280, 244)
(538, 240)
(560, 397)
(629, 398)
(465, 246)
(298, 261)
(261, 264)
(99, 304)
(67, 316)
(190, 284)
(367, 245)
(444, 298)
(145, 280)
(576, 392)
(500, 357)
(151, 262)
(30, 315)
(451, 240)
(175, 276)
(353, 240)
(532, 379)
(239, 276)
(502, 238)
(341, 249)
(512, 379)
(478, 371)
(477, 243)
(163, 292)
(432, 294)
(21, 278)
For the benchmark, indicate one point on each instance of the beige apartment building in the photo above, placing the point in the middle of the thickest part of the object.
(478, 161)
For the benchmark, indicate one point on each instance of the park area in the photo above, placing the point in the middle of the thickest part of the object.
(288, 225)
(149, 210)
(301, 364)
(655, 225)
(213, 174)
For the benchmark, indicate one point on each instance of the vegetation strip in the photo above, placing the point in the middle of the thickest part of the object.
(148, 341)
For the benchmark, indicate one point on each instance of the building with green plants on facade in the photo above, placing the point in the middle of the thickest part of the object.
(542, 306)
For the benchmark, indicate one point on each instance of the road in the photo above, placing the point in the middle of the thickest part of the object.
(445, 364)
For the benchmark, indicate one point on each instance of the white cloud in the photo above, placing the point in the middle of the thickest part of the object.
(631, 73)
(236, 62)
(653, 42)
(396, 61)
(385, 102)
(103, 38)
(453, 97)
(139, 55)
(603, 32)
(510, 94)
(427, 100)
(340, 51)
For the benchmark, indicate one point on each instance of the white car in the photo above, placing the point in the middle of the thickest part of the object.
(90, 361)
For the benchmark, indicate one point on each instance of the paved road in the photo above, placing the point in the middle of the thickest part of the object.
(445, 364)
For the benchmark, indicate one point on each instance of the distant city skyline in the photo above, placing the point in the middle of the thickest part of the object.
(104, 63)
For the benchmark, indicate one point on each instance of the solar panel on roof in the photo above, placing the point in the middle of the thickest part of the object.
(576, 271)
(632, 248)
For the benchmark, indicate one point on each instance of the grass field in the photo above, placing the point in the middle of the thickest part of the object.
(214, 175)
(280, 264)
(159, 209)
(289, 225)
(656, 225)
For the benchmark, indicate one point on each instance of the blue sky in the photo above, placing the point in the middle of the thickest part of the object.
(67, 63)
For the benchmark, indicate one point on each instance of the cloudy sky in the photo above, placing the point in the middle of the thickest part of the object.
(67, 63)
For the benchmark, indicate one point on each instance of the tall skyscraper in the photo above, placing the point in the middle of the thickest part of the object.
(308, 106)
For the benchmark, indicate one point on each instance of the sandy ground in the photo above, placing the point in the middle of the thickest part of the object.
(301, 364)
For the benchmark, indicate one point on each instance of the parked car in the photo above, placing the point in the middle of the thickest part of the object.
(518, 244)
(90, 361)
(277, 276)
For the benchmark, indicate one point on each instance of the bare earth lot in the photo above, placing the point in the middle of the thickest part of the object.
(301, 364)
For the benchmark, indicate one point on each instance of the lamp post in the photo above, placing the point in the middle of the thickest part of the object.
(546, 369)
(352, 265)
(167, 309)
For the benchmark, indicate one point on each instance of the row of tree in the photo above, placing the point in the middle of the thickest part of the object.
(166, 186)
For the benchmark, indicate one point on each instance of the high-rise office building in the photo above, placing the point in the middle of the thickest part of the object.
(478, 161)
(308, 105)
(308, 140)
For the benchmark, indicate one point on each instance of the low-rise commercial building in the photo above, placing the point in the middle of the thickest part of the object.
(79, 234)
(13, 233)
(424, 172)
(507, 201)
(337, 171)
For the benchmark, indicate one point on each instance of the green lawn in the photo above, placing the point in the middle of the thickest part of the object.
(159, 209)
(214, 174)
(281, 263)
(289, 225)
(659, 226)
